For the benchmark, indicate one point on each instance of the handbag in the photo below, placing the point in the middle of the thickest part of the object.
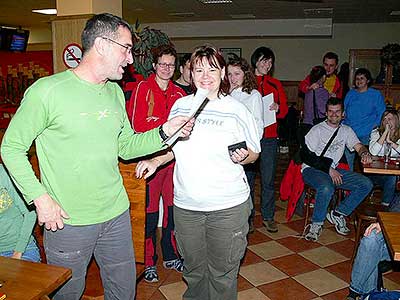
(316, 120)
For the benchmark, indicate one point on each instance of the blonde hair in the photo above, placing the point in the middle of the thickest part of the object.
(396, 136)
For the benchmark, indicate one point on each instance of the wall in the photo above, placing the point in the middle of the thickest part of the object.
(294, 56)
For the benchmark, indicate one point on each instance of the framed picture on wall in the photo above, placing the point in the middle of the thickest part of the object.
(229, 53)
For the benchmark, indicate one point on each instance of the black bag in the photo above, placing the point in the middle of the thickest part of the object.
(316, 120)
(309, 157)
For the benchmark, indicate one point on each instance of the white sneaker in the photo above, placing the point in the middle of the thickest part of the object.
(339, 221)
(314, 232)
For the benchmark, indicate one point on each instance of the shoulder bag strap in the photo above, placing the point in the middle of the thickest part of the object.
(315, 105)
(330, 141)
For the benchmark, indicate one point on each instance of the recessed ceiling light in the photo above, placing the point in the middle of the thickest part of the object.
(46, 11)
(215, 1)
(243, 16)
(395, 13)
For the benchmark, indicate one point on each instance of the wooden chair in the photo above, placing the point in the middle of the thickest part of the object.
(309, 194)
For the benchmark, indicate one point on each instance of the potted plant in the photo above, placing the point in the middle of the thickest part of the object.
(146, 40)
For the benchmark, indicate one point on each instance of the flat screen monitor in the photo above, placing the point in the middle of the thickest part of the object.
(19, 41)
(13, 39)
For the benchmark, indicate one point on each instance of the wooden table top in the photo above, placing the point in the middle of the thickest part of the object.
(379, 167)
(28, 280)
(390, 224)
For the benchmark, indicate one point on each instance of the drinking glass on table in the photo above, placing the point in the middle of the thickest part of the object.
(387, 148)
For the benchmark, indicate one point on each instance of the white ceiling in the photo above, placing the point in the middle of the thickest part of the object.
(18, 12)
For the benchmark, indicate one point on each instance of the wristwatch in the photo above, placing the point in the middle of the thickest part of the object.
(163, 135)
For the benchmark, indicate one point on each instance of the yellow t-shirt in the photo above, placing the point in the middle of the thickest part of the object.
(329, 83)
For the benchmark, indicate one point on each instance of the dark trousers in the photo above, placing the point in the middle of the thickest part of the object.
(269, 147)
(160, 185)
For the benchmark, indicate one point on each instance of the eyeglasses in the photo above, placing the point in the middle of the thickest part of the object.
(128, 49)
(165, 65)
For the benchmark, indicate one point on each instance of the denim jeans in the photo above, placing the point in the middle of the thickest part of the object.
(269, 147)
(110, 242)
(364, 274)
(31, 252)
(351, 155)
(251, 171)
(358, 185)
(388, 183)
(212, 243)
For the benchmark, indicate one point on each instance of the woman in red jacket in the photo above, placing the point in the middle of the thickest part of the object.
(148, 108)
(262, 61)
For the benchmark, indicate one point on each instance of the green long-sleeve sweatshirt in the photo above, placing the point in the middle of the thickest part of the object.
(16, 221)
(79, 129)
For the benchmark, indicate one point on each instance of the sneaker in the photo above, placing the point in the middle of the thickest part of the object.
(314, 232)
(175, 264)
(150, 274)
(270, 225)
(339, 221)
(283, 149)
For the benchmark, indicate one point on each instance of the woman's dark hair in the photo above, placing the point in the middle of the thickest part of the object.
(263, 53)
(366, 73)
(249, 81)
(216, 60)
(184, 59)
(102, 25)
(317, 73)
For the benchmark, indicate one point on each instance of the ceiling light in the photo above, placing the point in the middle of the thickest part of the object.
(395, 13)
(181, 14)
(215, 1)
(243, 16)
(46, 11)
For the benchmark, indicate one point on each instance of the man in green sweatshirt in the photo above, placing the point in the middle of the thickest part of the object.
(78, 122)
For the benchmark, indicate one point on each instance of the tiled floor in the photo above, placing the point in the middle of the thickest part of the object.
(280, 266)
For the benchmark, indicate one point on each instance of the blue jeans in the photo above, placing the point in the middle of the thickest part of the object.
(212, 243)
(358, 185)
(269, 147)
(388, 183)
(351, 155)
(110, 243)
(31, 252)
(364, 275)
(251, 171)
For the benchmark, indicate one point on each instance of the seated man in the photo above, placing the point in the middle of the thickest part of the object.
(320, 170)
(332, 83)
(372, 250)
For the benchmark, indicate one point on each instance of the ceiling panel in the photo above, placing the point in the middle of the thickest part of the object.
(18, 13)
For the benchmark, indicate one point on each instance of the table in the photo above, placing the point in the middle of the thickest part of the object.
(23, 280)
(379, 167)
(390, 224)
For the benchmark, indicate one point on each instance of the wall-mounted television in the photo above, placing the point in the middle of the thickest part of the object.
(13, 39)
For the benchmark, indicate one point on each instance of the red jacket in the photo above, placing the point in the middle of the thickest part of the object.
(266, 85)
(291, 188)
(149, 105)
(337, 88)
